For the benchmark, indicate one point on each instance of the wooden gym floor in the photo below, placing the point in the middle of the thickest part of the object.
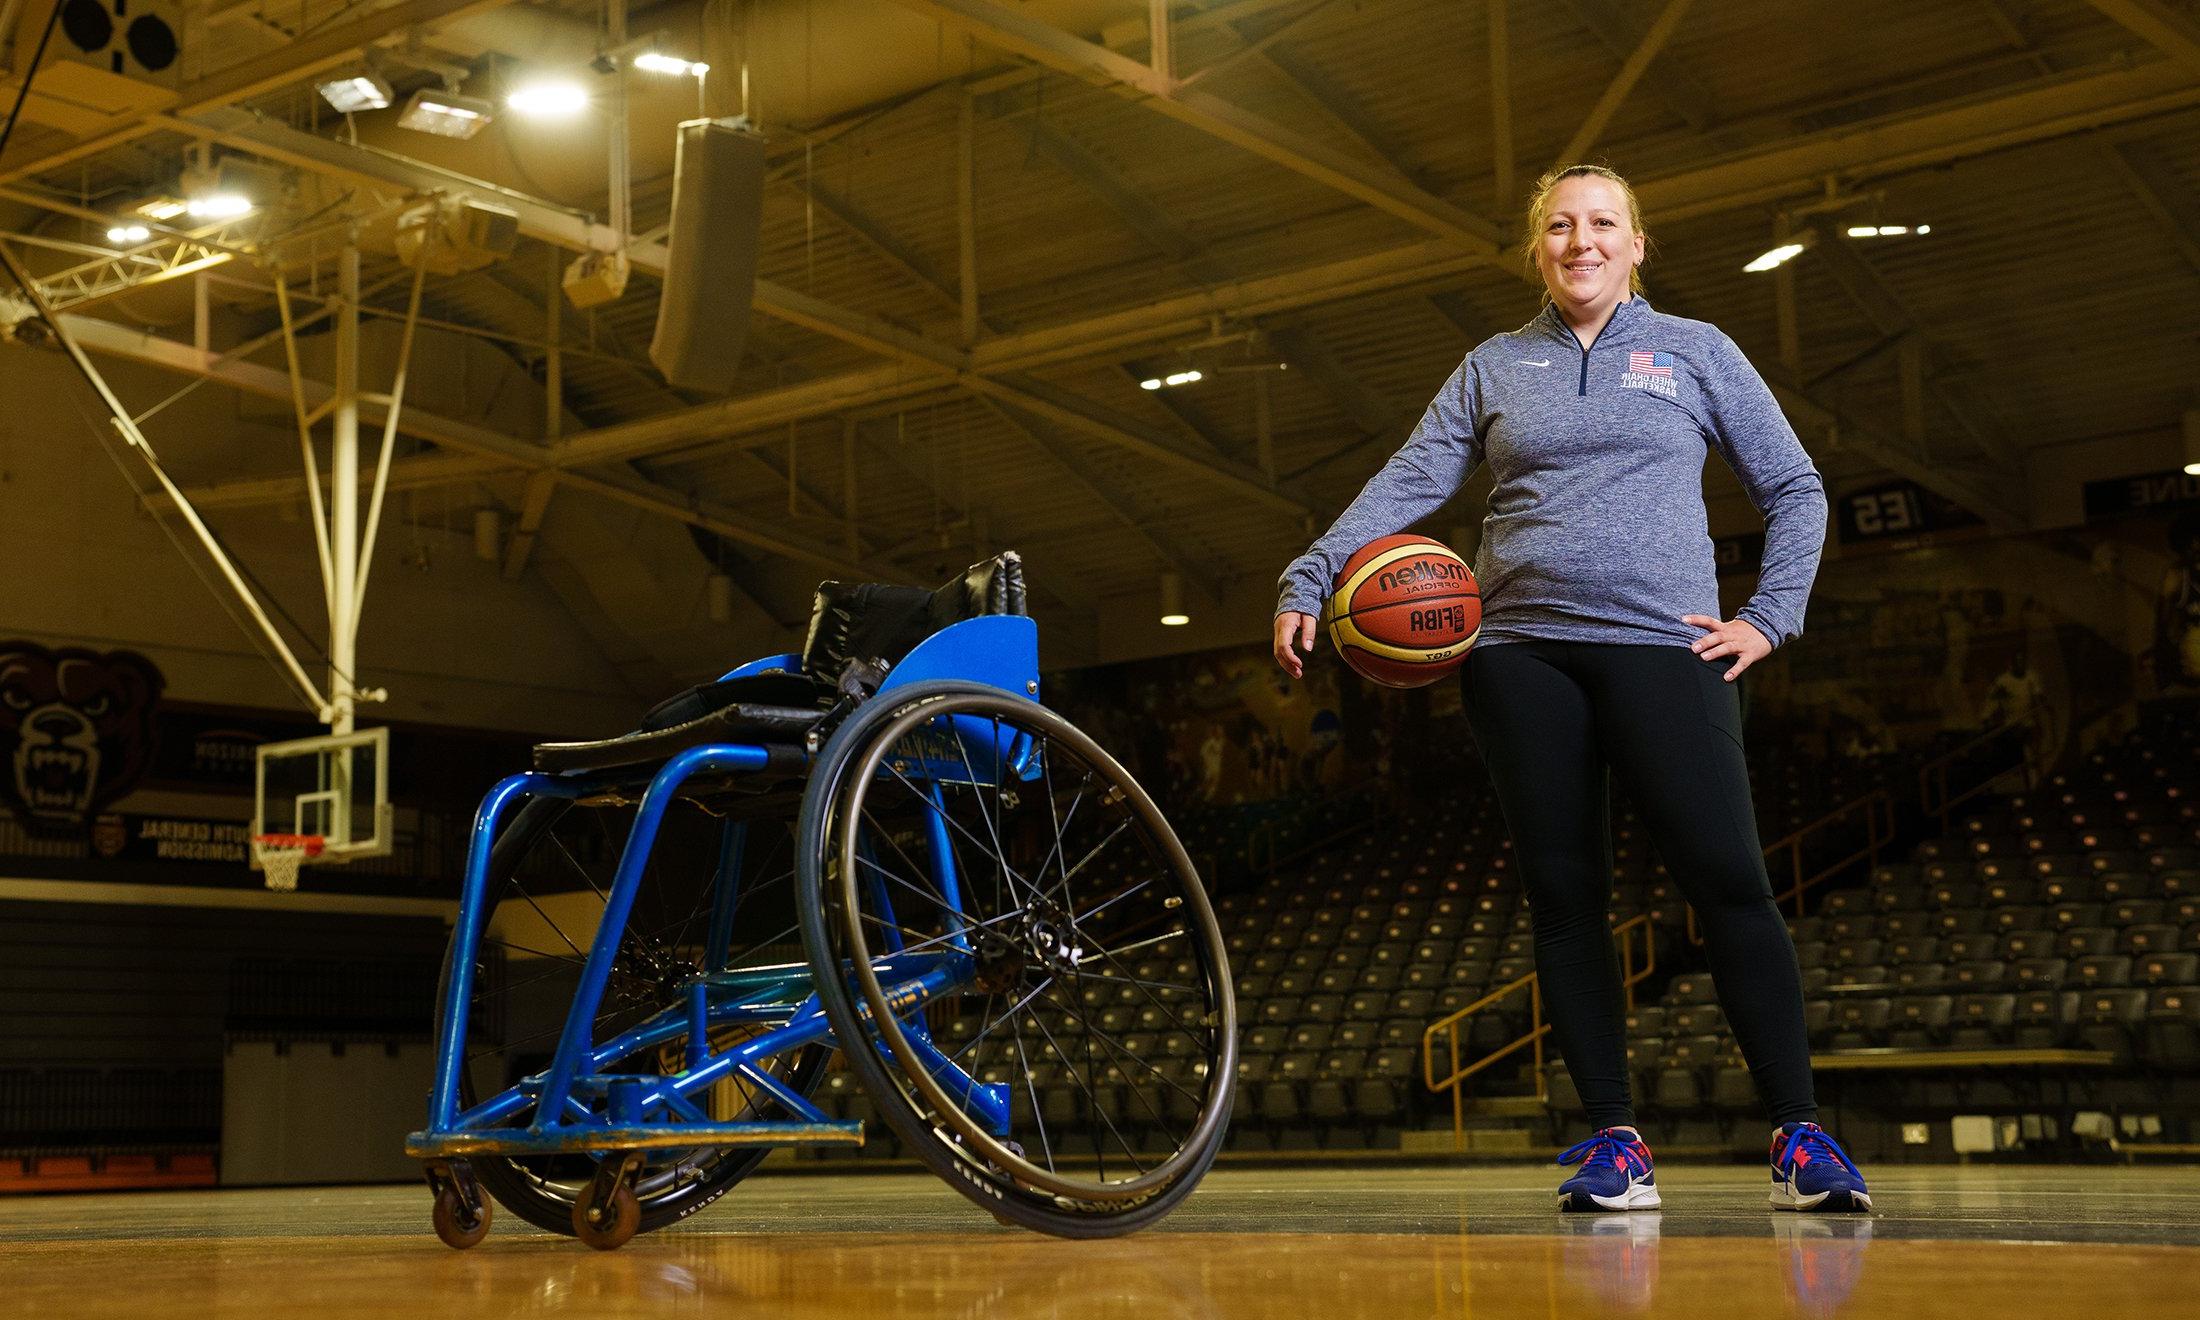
(1481, 1243)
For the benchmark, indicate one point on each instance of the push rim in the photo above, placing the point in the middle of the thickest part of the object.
(1083, 923)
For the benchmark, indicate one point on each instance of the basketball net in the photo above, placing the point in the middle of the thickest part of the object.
(281, 856)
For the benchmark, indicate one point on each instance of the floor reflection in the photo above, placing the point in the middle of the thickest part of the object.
(1379, 1245)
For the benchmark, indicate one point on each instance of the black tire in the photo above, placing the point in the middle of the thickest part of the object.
(1042, 945)
(673, 1184)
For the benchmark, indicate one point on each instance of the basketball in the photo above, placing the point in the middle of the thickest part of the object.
(1404, 612)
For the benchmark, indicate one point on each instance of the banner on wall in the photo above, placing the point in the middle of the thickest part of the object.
(204, 749)
(188, 839)
(1897, 510)
(2142, 493)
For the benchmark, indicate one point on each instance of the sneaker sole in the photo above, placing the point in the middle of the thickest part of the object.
(1640, 1196)
(1835, 1202)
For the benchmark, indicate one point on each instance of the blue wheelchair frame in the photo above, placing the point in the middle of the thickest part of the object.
(577, 1106)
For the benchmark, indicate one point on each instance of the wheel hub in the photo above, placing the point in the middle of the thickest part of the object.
(1001, 961)
(1049, 939)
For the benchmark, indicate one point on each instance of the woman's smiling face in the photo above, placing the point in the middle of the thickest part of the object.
(1589, 246)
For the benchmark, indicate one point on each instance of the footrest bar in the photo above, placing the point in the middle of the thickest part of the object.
(630, 1136)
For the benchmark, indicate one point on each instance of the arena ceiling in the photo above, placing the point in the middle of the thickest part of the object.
(985, 224)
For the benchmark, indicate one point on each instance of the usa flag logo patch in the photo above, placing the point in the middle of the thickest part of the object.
(1650, 371)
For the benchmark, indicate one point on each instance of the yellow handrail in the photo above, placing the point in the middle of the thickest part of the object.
(1630, 977)
(1934, 774)
(1871, 804)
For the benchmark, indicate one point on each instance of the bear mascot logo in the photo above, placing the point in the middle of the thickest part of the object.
(76, 731)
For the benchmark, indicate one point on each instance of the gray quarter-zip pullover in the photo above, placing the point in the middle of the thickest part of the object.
(1596, 530)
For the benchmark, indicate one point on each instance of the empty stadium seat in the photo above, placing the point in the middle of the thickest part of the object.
(2043, 1019)
(1920, 1022)
(2170, 1036)
(1982, 1021)
(2110, 1019)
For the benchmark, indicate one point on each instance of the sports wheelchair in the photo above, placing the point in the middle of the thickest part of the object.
(874, 881)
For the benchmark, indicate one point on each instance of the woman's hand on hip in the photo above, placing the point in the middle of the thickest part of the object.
(1293, 626)
(1736, 637)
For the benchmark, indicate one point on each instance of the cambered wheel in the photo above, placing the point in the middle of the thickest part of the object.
(549, 872)
(1097, 986)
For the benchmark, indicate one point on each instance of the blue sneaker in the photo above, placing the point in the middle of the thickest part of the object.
(1810, 1171)
(1615, 1175)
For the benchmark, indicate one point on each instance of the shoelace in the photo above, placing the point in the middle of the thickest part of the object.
(1618, 1151)
(1813, 1139)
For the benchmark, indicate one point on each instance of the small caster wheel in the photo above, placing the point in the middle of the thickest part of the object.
(607, 1223)
(459, 1225)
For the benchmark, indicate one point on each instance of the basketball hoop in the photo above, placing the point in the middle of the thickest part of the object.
(279, 856)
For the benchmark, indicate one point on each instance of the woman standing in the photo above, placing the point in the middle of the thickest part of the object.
(1601, 651)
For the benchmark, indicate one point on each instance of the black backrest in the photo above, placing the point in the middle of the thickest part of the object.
(884, 622)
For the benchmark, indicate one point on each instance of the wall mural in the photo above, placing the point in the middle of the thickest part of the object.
(76, 731)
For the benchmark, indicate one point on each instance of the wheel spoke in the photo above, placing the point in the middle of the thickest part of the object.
(1031, 1093)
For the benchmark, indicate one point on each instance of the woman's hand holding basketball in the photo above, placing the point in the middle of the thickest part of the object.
(1736, 637)
(1292, 626)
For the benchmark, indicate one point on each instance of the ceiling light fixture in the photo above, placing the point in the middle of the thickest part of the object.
(1774, 259)
(129, 235)
(1172, 601)
(161, 208)
(218, 206)
(445, 114)
(650, 61)
(357, 92)
(1174, 379)
(2192, 443)
(549, 99)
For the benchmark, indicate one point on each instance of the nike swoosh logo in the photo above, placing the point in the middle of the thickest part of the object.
(1526, 363)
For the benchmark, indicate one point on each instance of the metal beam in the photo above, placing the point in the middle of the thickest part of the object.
(1862, 438)
(1683, 93)
(882, 244)
(548, 222)
(1329, 103)
(966, 216)
(534, 505)
(1083, 415)
(1114, 501)
(1809, 415)
(2044, 111)
(1886, 310)
(2166, 201)
(1058, 50)
(483, 453)
(257, 75)
(2165, 29)
(1375, 415)
(1132, 207)
(1503, 166)
(1630, 72)
(1899, 143)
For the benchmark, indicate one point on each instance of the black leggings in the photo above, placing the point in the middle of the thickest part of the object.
(1552, 719)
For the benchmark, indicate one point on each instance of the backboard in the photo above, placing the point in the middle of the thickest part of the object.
(335, 786)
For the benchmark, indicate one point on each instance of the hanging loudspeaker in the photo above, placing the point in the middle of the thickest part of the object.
(710, 272)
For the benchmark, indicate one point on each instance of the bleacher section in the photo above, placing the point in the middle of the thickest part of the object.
(1343, 957)
(2042, 956)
